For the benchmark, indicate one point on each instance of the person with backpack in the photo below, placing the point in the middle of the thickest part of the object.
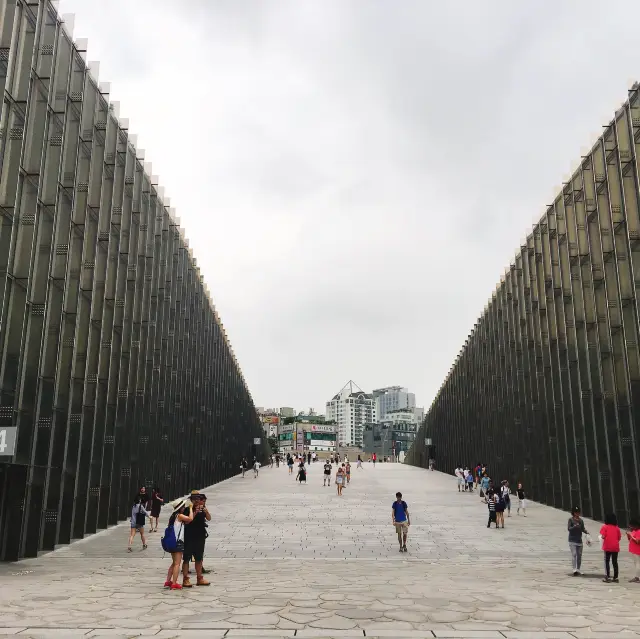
(139, 516)
(173, 540)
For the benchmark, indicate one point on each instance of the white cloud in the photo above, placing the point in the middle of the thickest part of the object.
(355, 176)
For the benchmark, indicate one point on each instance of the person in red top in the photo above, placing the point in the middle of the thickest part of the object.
(633, 535)
(610, 535)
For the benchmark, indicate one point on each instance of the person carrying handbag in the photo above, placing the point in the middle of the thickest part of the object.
(139, 516)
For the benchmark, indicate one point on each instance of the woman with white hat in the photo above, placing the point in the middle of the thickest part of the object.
(178, 520)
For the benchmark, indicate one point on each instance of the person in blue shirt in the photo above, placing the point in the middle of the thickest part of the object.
(401, 520)
(484, 484)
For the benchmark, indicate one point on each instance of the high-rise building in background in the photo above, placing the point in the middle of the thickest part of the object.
(351, 408)
(287, 411)
(115, 369)
(546, 389)
(393, 398)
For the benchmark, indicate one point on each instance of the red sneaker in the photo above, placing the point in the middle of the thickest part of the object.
(176, 587)
(167, 584)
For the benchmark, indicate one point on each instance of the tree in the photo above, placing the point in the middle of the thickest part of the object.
(289, 420)
(273, 443)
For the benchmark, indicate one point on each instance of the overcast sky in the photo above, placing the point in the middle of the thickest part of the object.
(355, 175)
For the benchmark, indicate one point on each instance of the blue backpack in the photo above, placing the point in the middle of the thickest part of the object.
(169, 541)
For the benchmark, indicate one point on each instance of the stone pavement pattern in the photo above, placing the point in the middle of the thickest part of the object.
(295, 560)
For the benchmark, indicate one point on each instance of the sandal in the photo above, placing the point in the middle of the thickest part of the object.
(129, 549)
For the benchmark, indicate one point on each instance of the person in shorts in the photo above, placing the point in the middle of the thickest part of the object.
(327, 473)
(139, 516)
(195, 535)
(182, 516)
(522, 500)
(401, 520)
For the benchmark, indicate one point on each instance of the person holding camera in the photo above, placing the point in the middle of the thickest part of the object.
(195, 535)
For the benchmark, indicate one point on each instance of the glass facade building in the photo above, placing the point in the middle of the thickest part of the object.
(546, 389)
(115, 369)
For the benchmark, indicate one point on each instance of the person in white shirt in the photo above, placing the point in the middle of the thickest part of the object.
(256, 468)
(460, 476)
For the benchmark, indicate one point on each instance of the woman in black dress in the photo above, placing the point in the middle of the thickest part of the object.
(156, 505)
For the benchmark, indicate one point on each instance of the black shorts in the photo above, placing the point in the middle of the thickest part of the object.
(193, 550)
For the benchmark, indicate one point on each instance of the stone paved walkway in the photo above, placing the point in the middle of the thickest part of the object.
(298, 561)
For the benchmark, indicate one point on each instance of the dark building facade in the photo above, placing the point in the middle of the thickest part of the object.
(546, 389)
(115, 370)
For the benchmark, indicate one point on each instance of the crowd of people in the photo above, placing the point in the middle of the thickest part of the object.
(186, 532)
(343, 471)
(498, 500)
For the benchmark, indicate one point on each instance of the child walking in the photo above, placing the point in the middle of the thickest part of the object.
(633, 535)
(610, 535)
(491, 502)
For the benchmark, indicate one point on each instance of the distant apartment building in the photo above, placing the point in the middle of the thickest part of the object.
(393, 398)
(287, 411)
(351, 408)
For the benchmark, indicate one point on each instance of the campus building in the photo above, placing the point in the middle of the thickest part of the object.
(546, 389)
(115, 368)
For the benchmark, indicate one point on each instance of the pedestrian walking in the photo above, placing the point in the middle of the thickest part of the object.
(327, 473)
(359, 462)
(156, 507)
(522, 500)
(506, 495)
(491, 503)
(401, 520)
(340, 480)
(484, 485)
(347, 471)
(633, 535)
(256, 468)
(498, 497)
(302, 473)
(610, 537)
(469, 477)
(373, 459)
(139, 516)
(576, 529)
(244, 465)
(459, 477)
(290, 464)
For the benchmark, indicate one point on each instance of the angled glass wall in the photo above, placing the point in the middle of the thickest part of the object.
(546, 389)
(115, 368)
